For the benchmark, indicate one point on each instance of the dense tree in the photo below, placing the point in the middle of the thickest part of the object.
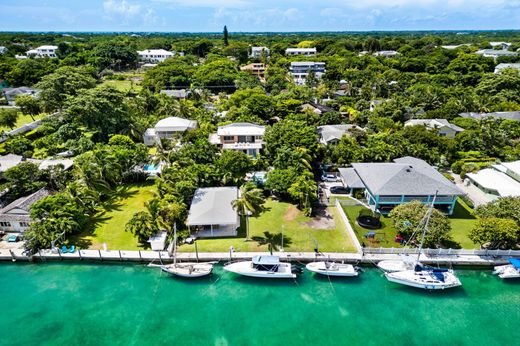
(23, 179)
(226, 36)
(8, 117)
(28, 105)
(249, 203)
(115, 55)
(493, 233)
(291, 134)
(503, 208)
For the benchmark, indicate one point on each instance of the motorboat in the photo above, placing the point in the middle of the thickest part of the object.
(332, 268)
(264, 267)
(425, 278)
(508, 271)
(188, 270)
(390, 266)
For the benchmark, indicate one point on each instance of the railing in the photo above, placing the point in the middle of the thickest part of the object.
(441, 252)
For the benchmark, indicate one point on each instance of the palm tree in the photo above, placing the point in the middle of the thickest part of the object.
(250, 202)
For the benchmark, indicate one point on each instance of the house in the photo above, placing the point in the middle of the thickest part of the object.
(502, 45)
(300, 70)
(256, 69)
(301, 51)
(11, 93)
(178, 94)
(515, 115)
(16, 216)
(332, 134)
(43, 52)
(212, 214)
(374, 104)
(387, 185)
(493, 53)
(455, 46)
(387, 53)
(167, 128)
(500, 180)
(316, 108)
(3, 50)
(154, 55)
(245, 137)
(256, 52)
(500, 67)
(443, 126)
(10, 160)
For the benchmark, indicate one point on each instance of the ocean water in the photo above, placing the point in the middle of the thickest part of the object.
(111, 304)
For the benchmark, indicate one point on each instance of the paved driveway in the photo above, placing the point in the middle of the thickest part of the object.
(474, 193)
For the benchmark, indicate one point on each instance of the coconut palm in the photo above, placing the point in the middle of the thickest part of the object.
(250, 202)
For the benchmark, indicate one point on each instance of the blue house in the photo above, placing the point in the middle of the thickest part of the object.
(387, 185)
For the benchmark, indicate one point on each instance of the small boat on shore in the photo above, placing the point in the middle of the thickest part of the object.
(264, 267)
(332, 269)
(508, 271)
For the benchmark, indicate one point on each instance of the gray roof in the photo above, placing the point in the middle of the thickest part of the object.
(20, 209)
(11, 93)
(432, 123)
(212, 206)
(351, 178)
(331, 132)
(175, 93)
(501, 115)
(407, 176)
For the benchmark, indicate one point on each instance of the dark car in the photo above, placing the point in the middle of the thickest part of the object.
(339, 190)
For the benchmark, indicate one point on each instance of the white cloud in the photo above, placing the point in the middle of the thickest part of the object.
(121, 8)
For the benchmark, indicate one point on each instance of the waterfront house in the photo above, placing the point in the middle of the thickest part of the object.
(387, 185)
(332, 134)
(301, 69)
(245, 137)
(16, 216)
(500, 67)
(256, 69)
(256, 52)
(443, 126)
(301, 51)
(212, 214)
(515, 115)
(500, 180)
(43, 52)
(154, 55)
(168, 128)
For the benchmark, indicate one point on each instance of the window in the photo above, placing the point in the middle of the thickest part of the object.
(229, 138)
(24, 224)
(5, 224)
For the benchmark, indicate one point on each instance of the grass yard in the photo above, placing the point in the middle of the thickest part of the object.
(109, 226)
(462, 221)
(300, 232)
(22, 120)
(123, 85)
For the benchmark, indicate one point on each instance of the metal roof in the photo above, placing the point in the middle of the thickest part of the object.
(175, 124)
(241, 129)
(213, 206)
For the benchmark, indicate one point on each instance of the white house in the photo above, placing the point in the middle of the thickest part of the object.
(300, 70)
(245, 137)
(493, 53)
(154, 55)
(332, 134)
(167, 128)
(501, 67)
(500, 180)
(503, 45)
(16, 216)
(43, 52)
(301, 51)
(387, 53)
(3, 50)
(212, 214)
(256, 52)
(443, 126)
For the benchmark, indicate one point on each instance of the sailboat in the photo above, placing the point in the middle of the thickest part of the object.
(422, 276)
(187, 269)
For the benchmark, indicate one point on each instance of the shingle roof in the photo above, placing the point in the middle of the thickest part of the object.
(501, 115)
(331, 132)
(212, 206)
(351, 178)
(432, 123)
(24, 203)
(408, 176)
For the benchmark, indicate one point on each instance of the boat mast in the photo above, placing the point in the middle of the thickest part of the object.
(175, 244)
(429, 214)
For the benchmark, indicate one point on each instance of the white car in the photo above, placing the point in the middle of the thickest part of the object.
(330, 178)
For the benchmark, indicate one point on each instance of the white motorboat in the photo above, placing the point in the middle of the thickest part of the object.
(264, 267)
(188, 270)
(508, 271)
(391, 266)
(332, 268)
(425, 278)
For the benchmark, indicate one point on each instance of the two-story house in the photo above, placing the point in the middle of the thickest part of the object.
(167, 128)
(256, 52)
(301, 69)
(245, 137)
(256, 69)
(43, 52)
(301, 51)
(154, 55)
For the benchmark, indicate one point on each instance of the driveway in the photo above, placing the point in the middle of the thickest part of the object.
(474, 193)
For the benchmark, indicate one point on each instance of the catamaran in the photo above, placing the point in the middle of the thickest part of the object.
(508, 271)
(264, 267)
(329, 268)
(422, 276)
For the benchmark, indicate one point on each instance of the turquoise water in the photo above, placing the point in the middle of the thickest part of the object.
(150, 167)
(90, 304)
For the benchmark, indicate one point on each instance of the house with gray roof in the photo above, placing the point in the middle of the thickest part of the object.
(212, 214)
(388, 185)
(495, 53)
(332, 134)
(515, 115)
(11, 93)
(500, 67)
(16, 216)
(443, 126)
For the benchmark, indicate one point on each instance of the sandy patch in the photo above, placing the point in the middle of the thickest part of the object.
(291, 213)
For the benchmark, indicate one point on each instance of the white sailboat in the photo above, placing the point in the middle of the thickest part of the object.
(390, 266)
(264, 267)
(332, 268)
(508, 271)
(186, 269)
(425, 277)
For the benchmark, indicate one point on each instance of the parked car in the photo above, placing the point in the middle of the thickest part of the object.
(339, 190)
(12, 238)
(330, 178)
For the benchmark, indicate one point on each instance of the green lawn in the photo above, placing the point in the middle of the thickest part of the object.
(109, 226)
(22, 120)
(123, 85)
(299, 234)
(462, 222)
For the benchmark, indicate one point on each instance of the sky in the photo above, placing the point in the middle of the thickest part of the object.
(257, 15)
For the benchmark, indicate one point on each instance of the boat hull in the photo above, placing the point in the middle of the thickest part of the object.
(188, 270)
(392, 266)
(332, 269)
(507, 272)
(423, 280)
(245, 268)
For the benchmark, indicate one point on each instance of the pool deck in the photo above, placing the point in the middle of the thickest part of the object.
(149, 256)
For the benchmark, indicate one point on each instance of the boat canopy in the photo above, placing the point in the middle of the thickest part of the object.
(266, 260)
(515, 262)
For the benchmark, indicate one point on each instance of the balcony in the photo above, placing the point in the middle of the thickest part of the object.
(243, 145)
